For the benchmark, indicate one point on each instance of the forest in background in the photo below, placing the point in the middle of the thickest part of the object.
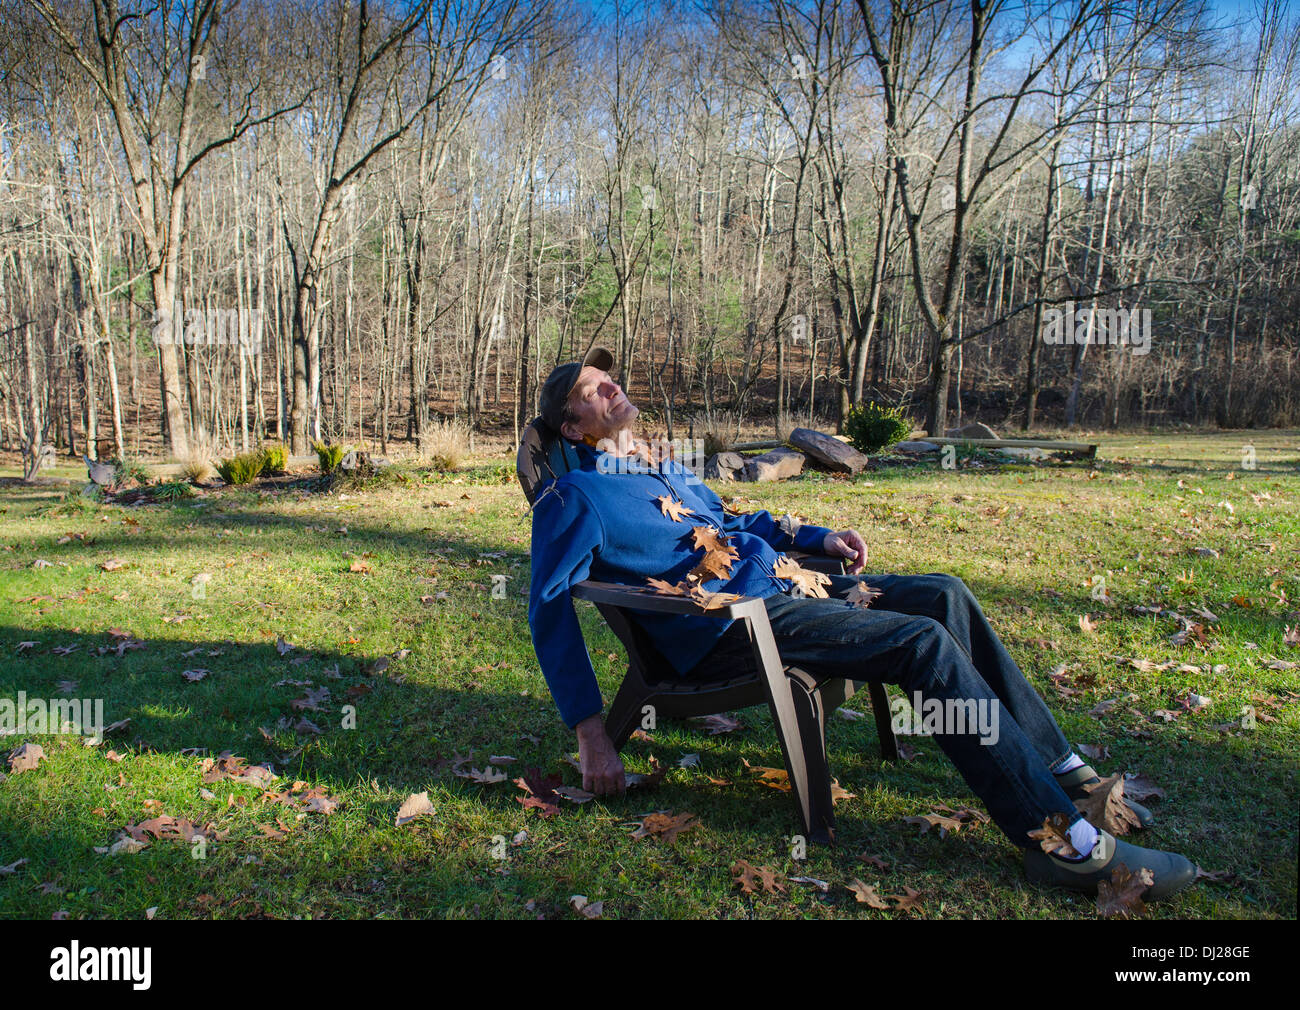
(225, 222)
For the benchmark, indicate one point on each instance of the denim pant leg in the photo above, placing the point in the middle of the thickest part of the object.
(947, 600)
(837, 639)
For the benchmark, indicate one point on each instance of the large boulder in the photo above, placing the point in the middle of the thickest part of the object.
(827, 450)
(724, 466)
(915, 448)
(975, 430)
(778, 464)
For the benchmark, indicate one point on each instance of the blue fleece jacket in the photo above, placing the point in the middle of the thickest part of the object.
(597, 523)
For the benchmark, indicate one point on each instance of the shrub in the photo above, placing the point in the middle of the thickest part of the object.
(242, 469)
(330, 456)
(872, 427)
(721, 430)
(275, 457)
(198, 470)
(171, 490)
(447, 444)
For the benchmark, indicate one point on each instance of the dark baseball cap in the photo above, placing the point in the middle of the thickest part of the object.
(559, 384)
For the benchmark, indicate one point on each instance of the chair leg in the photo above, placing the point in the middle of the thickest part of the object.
(884, 728)
(811, 716)
(625, 711)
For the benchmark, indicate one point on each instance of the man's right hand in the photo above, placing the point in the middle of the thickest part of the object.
(602, 769)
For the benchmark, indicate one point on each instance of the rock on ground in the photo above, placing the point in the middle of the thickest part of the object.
(778, 464)
(827, 450)
(975, 430)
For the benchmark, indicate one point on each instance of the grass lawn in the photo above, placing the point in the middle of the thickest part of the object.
(385, 596)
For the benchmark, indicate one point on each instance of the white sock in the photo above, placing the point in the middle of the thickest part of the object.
(1069, 764)
(1083, 836)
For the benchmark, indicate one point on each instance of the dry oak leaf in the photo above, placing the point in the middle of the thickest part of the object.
(810, 583)
(1104, 806)
(717, 724)
(25, 758)
(909, 901)
(673, 509)
(927, 821)
(541, 792)
(866, 894)
(1086, 624)
(711, 601)
(747, 876)
(838, 792)
(668, 587)
(773, 778)
(415, 805)
(640, 780)
(1141, 789)
(666, 825)
(1054, 836)
(861, 595)
(1121, 896)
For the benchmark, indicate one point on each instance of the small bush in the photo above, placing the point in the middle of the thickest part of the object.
(872, 427)
(447, 444)
(275, 457)
(198, 471)
(171, 490)
(721, 431)
(330, 456)
(129, 470)
(242, 469)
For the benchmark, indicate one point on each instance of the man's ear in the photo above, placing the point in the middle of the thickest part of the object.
(570, 432)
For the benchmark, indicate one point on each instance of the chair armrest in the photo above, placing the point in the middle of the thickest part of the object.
(618, 595)
(818, 562)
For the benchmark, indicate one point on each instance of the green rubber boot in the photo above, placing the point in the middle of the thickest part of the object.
(1171, 872)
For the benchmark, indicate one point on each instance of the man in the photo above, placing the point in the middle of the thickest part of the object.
(619, 518)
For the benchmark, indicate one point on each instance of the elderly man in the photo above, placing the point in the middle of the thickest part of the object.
(621, 518)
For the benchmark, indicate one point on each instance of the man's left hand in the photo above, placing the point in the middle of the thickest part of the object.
(847, 544)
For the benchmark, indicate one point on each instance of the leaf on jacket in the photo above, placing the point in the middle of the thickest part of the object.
(1104, 806)
(789, 525)
(750, 878)
(673, 509)
(1054, 836)
(1121, 896)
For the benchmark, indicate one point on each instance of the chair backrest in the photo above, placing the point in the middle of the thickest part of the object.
(543, 456)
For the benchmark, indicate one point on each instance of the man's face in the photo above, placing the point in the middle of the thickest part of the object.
(600, 405)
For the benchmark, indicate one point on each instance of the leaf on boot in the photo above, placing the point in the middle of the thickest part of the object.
(748, 876)
(673, 509)
(1121, 896)
(1104, 806)
(1054, 836)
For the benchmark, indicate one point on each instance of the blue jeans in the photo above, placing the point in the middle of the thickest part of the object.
(928, 635)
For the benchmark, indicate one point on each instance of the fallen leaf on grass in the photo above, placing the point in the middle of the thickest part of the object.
(773, 778)
(228, 766)
(25, 758)
(12, 867)
(1140, 789)
(665, 825)
(717, 724)
(866, 894)
(587, 909)
(1121, 896)
(750, 877)
(415, 805)
(908, 901)
(1087, 625)
(541, 792)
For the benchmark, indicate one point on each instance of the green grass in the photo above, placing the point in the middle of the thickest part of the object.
(462, 676)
